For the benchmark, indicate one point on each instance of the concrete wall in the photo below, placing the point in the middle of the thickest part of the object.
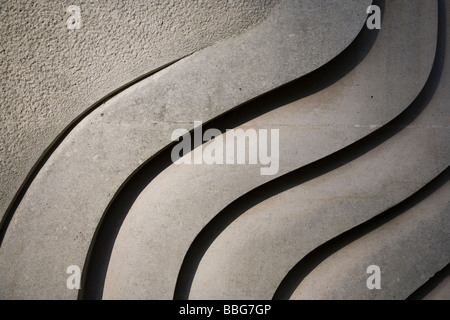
(362, 171)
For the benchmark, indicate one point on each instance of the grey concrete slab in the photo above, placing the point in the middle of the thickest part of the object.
(409, 250)
(51, 74)
(54, 224)
(147, 257)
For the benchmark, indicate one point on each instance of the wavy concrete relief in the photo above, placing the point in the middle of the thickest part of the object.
(359, 152)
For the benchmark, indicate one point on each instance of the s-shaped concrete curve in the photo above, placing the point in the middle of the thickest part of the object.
(154, 218)
(268, 235)
(53, 225)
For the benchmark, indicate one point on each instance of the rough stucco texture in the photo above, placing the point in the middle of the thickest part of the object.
(51, 74)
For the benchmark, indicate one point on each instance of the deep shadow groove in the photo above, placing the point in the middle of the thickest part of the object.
(430, 285)
(320, 167)
(4, 223)
(100, 250)
(298, 273)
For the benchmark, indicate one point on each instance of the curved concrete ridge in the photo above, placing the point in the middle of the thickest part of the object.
(274, 235)
(51, 75)
(409, 250)
(52, 227)
(146, 252)
(249, 259)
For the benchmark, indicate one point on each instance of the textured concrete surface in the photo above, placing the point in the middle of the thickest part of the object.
(310, 129)
(363, 135)
(50, 74)
(54, 224)
(409, 250)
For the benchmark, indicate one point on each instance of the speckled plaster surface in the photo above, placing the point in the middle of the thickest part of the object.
(51, 74)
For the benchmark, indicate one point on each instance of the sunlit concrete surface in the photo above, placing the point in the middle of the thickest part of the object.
(316, 128)
(361, 173)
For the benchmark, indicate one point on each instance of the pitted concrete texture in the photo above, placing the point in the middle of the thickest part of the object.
(51, 74)
(409, 250)
(54, 224)
(310, 129)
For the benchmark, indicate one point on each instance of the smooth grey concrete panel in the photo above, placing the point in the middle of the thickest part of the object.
(54, 224)
(310, 128)
(409, 250)
(50, 74)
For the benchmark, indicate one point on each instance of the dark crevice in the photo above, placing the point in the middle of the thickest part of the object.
(313, 259)
(320, 167)
(99, 254)
(431, 284)
(7, 217)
